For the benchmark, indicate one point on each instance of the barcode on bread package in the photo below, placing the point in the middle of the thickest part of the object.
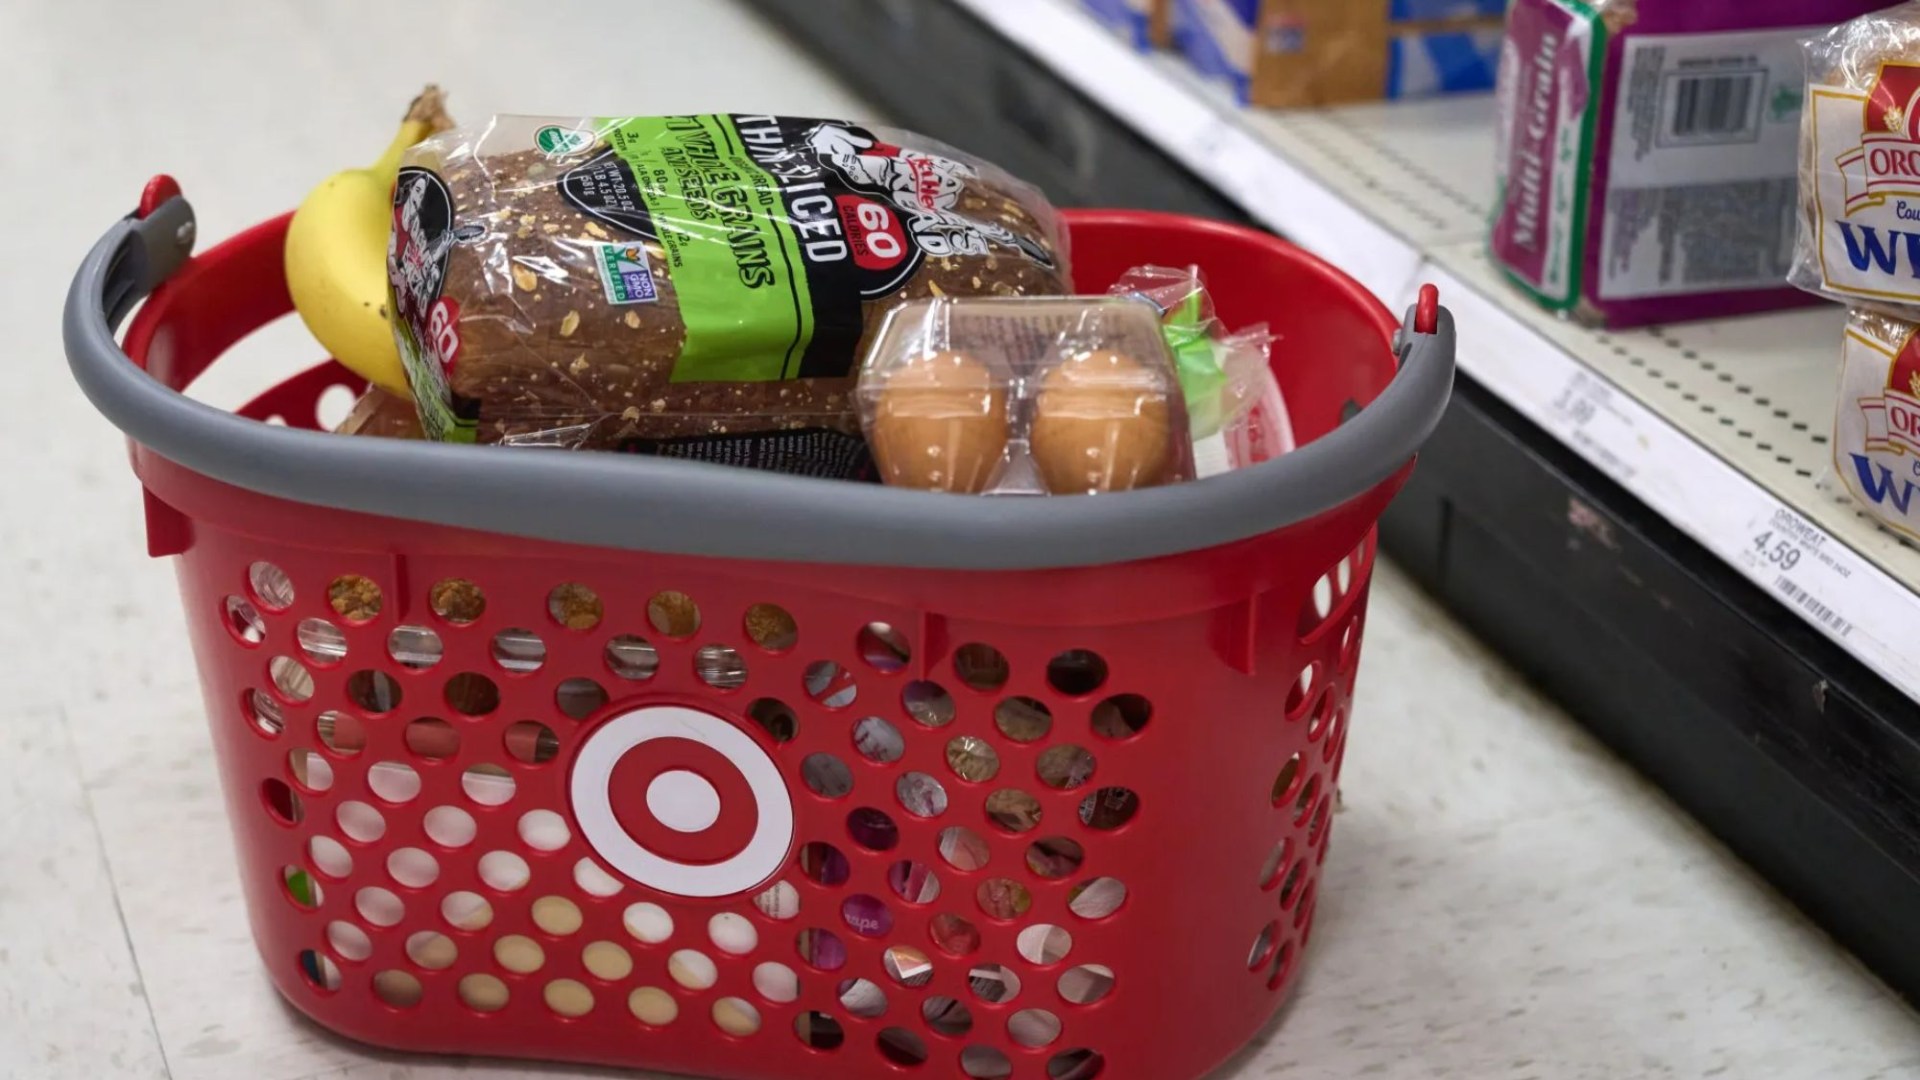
(1713, 106)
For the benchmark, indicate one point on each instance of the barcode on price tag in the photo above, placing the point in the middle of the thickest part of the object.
(1811, 604)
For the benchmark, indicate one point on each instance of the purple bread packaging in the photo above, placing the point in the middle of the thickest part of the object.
(1648, 154)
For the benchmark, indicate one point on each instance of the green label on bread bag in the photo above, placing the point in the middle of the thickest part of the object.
(772, 232)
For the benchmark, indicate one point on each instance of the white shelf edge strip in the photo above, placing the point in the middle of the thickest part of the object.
(1834, 589)
(1206, 137)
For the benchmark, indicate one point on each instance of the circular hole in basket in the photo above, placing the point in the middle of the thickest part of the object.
(866, 915)
(862, 998)
(921, 795)
(778, 720)
(818, 1031)
(1322, 717)
(1023, 719)
(947, 1016)
(721, 667)
(1064, 768)
(1003, 899)
(503, 871)
(272, 588)
(394, 781)
(568, 997)
(329, 856)
(1290, 888)
(653, 1006)
(824, 864)
(821, 949)
(972, 758)
(432, 738)
(264, 713)
(872, 829)
(604, 959)
(985, 1063)
(732, 934)
(351, 942)
(1270, 870)
(575, 606)
(1109, 808)
(878, 741)
(1282, 965)
(1305, 909)
(580, 698)
(994, 983)
(1054, 857)
(1085, 984)
(291, 678)
(1076, 1064)
(557, 915)
(543, 830)
(1350, 644)
(530, 742)
(355, 598)
(379, 906)
(519, 650)
(322, 642)
(1033, 1028)
(771, 627)
(964, 849)
(1121, 716)
(1013, 810)
(981, 667)
(1319, 604)
(457, 600)
(302, 888)
(1263, 945)
(776, 982)
(473, 694)
(1303, 804)
(736, 1017)
(1283, 784)
(674, 614)
(432, 950)
(281, 801)
(1097, 898)
(913, 882)
(594, 880)
(884, 648)
(1317, 824)
(954, 935)
(826, 776)
(373, 691)
(1077, 672)
(318, 970)
(901, 1047)
(466, 910)
(360, 822)
(416, 648)
(928, 703)
(450, 827)
(1299, 694)
(310, 769)
(830, 684)
(413, 867)
(779, 901)
(907, 966)
(244, 621)
(483, 993)
(1044, 943)
(630, 656)
(341, 733)
(649, 923)
(519, 954)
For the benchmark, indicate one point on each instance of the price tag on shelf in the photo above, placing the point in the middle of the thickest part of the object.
(1801, 562)
(1593, 422)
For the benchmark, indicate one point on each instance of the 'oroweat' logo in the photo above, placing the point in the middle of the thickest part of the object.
(1887, 160)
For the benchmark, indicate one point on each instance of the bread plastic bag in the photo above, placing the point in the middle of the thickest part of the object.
(381, 413)
(1876, 421)
(1063, 396)
(696, 286)
(1860, 162)
(1235, 411)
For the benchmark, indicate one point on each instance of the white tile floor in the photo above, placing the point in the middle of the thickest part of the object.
(1504, 901)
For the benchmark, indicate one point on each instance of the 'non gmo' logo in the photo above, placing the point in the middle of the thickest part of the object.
(558, 141)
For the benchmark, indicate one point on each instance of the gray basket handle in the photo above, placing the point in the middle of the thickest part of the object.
(688, 508)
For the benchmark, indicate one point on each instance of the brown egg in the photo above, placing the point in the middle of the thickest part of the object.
(940, 423)
(1101, 423)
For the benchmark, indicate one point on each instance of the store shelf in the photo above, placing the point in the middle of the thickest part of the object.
(1721, 427)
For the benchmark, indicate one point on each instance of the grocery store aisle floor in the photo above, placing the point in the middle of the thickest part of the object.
(1504, 900)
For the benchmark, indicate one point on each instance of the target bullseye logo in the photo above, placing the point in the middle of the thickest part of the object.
(682, 801)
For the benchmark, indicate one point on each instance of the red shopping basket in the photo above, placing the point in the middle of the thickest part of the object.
(657, 764)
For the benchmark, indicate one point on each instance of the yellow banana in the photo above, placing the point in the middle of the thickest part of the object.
(336, 254)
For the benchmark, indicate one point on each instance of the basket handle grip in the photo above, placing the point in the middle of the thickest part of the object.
(142, 250)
